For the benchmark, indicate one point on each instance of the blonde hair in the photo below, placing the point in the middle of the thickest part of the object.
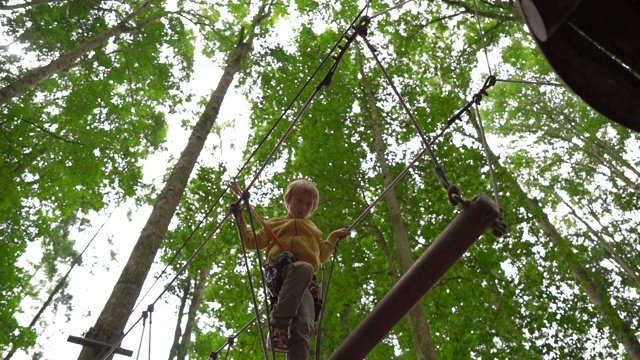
(303, 186)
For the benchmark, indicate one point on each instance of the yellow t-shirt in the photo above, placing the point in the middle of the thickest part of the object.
(301, 236)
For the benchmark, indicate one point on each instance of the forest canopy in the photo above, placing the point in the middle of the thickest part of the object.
(95, 95)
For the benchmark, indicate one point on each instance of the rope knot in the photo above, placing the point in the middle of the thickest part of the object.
(499, 227)
(362, 28)
(455, 197)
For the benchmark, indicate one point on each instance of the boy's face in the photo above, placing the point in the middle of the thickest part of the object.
(300, 205)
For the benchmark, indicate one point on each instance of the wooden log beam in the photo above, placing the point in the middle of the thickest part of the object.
(439, 257)
(101, 347)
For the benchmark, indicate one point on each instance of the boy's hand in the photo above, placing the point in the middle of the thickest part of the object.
(235, 187)
(341, 233)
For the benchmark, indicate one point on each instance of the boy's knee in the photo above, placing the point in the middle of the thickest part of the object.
(306, 267)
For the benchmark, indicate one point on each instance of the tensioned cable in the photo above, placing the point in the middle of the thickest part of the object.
(401, 4)
(483, 138)
(236, 213)
(231, 339)
(400, 98)
(484, 45)
(144, 326)
(489, 82)
(544, 83)
(486, 54)
(173, 280)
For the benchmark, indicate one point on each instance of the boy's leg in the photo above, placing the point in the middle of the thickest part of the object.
(302, 327)
(298, 276)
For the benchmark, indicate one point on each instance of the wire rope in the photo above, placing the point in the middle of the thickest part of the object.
(484, 44)
(396, 6)
(483, 139)
(530, 82)
(144, 326)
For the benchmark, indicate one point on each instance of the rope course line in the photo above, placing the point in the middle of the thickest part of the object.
(231, 339)
(531, 82)
(484, 44)
(486, 54)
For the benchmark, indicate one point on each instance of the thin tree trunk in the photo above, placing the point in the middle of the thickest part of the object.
(111, 322)
(196, 300)
(385, 248)
(593, 148)
(596, 294)
(35, 76)
(173, 352)
(516, 332)
(420, 331)
(631, 274)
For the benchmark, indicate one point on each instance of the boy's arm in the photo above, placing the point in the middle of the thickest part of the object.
(326, 247)
(248, 238)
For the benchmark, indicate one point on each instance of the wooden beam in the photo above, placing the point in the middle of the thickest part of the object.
(98, 345)
(439, 257)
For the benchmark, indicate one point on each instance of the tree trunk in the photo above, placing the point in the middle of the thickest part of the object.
(596, 294)
(35, 76)
(114, 316)
(382, 242)
(624, 265)
(196, 300)
(173, 352)
(420, 331)
(594, 148)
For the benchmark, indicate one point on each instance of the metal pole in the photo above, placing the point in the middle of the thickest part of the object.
(439, 257)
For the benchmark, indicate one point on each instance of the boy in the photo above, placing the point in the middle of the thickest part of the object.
(294, 310)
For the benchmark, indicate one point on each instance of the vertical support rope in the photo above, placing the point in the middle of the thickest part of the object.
(150, 309)
(484, 45)
(494, 181)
